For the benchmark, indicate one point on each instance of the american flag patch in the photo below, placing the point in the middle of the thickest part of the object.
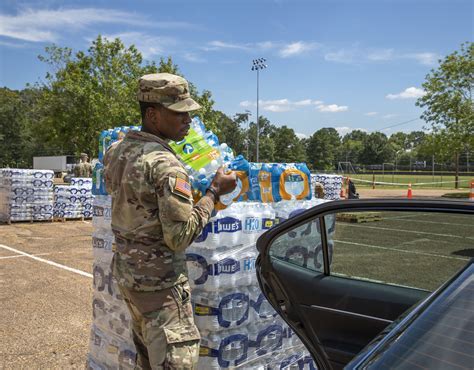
(182, 186)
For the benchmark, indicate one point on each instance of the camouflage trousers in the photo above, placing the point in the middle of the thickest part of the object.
(163, 328)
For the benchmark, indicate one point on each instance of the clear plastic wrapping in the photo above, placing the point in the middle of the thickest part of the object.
(239, 328)
(26, 195)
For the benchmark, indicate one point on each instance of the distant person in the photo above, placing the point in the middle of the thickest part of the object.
(319, 190)
(154, 220)
(83, 168)
(353, 194)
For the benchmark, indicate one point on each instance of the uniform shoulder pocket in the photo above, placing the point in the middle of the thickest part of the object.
(179, 185)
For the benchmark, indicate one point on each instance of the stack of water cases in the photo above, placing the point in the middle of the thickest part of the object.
(332, 185)
(26, 195)
(74, 200)
(111, 345)
(5, 192)
(239, 328)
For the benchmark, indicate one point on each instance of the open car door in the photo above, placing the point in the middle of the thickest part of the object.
(342, 272)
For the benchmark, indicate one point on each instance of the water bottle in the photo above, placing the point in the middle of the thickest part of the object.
(227, 226)
(104, 142)
(265, 183)
(208, 352)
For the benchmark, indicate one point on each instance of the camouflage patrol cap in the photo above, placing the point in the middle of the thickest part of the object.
(167, 89)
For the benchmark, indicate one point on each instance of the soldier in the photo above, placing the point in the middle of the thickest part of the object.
(154, 220)
(83, 168)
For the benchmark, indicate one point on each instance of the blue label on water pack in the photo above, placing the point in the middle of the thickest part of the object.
(227, 225)
(252, 224)
(205, 232)
(226, 266)
(249, 263)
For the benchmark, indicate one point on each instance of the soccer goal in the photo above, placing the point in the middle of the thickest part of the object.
(345, 167)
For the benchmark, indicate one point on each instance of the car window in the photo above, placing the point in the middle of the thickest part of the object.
(300, 246)
(415, 249)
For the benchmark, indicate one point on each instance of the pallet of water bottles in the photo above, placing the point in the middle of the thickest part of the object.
(111, 345)
(239, 328)
(73, 201)
(26, 195)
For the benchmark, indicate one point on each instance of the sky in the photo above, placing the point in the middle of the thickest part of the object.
(343, 64)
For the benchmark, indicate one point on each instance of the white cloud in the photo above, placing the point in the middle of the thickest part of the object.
(300, 136)
(408, 93)
(296, 48)
(371, 114)
(277, 108)
(344, 130)
(266, 45)
(303, 102)
(48, 25)
(219, 45)
(332, 108)
(280, 105)
(148, 45)
(340, 56)
(388, 116)
(381, 55)
(192, 57)
(427, 59)
(246, 104)
(357, 54)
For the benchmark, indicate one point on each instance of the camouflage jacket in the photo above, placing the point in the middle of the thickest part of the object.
(83, 169)
(153, 216)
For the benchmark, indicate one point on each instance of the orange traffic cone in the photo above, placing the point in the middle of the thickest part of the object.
(409, 194)
(471, 194)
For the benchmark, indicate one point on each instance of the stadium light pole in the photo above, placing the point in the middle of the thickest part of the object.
(257, 65)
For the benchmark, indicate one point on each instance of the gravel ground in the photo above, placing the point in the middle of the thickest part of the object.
(46, 310)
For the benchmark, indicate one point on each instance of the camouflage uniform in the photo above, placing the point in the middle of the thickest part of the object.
(154, 220)
(84, 168)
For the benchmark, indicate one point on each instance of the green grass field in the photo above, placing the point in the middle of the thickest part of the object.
(426, 182)
(414, 249)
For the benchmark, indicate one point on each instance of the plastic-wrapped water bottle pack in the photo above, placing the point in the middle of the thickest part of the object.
(111, 345)
(332, 185)
(106, 139)
(26, 195)
(239, 327)
(74, 200)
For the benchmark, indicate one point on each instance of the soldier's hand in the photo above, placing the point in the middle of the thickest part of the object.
(224, 183)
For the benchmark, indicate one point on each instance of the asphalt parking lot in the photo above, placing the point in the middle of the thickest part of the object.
(46, 309)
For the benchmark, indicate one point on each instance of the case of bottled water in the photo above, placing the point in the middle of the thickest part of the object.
(239, 327)
(332, 185)
(26, 195)
(74, 200)
(111, 345)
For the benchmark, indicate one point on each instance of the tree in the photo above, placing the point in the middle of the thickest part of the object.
(230, 133)
(17, 119)
(89, 92)
(449, 107)
(323, 148)
(352, 146)
(288, 147)
(376, 149)
(266, 144)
